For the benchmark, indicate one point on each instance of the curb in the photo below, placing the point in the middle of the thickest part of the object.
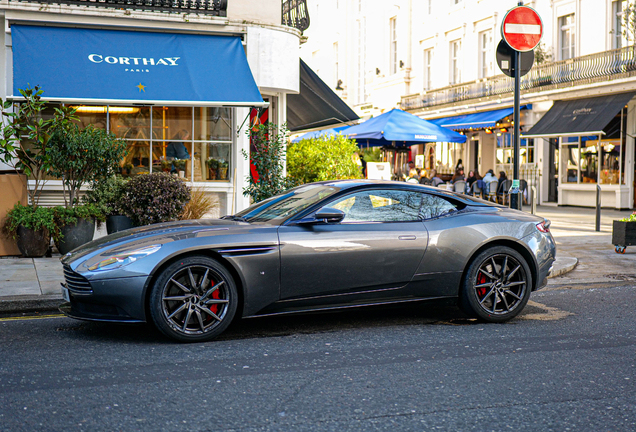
(562, 266)
(30, 303)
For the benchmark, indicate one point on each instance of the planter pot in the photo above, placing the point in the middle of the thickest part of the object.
(222, 174)
(623, 234)
(211, 174)
(33, 244)
(76, 235)
(118, 223)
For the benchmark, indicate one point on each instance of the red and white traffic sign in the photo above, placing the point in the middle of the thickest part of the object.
(522, 28)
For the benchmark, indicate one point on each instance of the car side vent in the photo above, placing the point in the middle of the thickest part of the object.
(76, 282)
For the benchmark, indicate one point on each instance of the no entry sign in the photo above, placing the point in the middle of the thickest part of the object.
(522, 28)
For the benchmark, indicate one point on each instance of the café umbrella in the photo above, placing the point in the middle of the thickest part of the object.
(399, 128)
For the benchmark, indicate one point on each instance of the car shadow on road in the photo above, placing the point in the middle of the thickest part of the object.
(410, 314)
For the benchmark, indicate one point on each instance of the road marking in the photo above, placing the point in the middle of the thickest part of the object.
(550, 314)
(32, 317)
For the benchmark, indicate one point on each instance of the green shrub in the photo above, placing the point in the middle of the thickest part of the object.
(82, 155)
(68, 216)
(630, 218)
(106, 195)
(154, 198)
(267, 157)
(29, 217)
(323, 158)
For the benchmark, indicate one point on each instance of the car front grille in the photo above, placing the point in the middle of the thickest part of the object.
(76, 282)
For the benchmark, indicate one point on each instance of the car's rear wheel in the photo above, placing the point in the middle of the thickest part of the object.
(193, 299)
(497, 285)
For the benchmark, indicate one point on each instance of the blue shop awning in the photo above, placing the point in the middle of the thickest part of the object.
(480, 120)
(114, 66)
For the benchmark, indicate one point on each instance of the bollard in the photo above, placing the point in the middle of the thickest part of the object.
(534, 199)
(514, 196)
(598, 208)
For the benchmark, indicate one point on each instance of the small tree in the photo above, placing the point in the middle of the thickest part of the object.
(323, 158)
(629, 22)
(542, 54)
(25, 136)
(268, 158)
(79, 156)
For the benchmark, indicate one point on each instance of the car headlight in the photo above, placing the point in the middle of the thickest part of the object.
(124, 258)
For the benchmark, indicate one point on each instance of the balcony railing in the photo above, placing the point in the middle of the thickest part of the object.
(604, 66)
(206, 7)
(295, 14)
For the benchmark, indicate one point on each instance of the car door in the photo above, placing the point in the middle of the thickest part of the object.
(378, 245)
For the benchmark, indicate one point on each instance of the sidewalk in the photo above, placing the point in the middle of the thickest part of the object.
(586, 256)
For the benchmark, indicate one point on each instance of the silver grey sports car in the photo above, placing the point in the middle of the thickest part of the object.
(320, 246)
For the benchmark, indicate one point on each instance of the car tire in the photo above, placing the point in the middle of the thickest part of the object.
(496, 286)
(193, 299)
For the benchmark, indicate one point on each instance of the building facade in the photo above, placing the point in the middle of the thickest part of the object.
(437, 59)
(178, 81)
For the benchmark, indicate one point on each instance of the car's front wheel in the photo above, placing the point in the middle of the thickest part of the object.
(497, 285)
(193, 299)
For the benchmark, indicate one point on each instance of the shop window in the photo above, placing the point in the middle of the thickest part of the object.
(212, 123)
(212, 162)
(589, 161)
(569, 161)
(96, 115)
(130, 123)
(610, 162)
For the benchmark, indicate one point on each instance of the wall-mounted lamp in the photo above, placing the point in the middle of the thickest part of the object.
(377, 71)
(401, 64)
(504, 130)
(339, 85)
(488, 131)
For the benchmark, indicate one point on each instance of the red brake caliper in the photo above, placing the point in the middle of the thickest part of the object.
(215, 295)
(481, 279)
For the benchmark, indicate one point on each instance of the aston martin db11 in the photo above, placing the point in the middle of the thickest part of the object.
(320, 246)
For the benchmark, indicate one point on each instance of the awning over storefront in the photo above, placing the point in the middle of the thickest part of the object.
(479, 120)
(113, 66)
(579, 117)
(316, 105)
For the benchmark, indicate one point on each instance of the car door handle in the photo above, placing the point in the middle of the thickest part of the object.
(407, 237)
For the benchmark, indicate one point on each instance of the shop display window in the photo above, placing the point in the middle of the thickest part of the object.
(212, 124)
(570, 162)
(589, 161)
(610, 162)
(130, 123)
(212, 162)
(95, 115)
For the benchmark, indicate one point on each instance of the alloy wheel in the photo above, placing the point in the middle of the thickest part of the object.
(195, 300)
(500, 284)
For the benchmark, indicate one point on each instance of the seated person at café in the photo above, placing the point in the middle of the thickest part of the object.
(459, 176)
(435, 181)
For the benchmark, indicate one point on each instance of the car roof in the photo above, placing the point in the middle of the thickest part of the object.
(343, 185)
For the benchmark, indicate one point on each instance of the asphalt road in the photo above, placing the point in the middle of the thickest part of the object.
(569, 363)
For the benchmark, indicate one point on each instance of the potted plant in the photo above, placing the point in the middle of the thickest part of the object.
(31, 227)
(213, 165)
(222, 170)
(75, 226)
(24, 142)
(166, 165)
(126, 169)
(624, 233)
(79, 156)
(154, 198)
(107, 195)
(180, 166)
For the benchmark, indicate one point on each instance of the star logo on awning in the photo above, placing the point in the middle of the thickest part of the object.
(141, 87)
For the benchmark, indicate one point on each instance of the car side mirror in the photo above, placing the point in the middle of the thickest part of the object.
(330, 215)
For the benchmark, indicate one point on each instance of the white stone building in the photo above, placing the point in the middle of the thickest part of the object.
(436, 59)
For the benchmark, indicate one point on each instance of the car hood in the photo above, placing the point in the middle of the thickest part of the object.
(159, 233)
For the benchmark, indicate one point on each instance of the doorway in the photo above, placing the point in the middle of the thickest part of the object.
(553, 170)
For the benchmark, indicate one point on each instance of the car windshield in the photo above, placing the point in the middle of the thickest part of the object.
(281, 207)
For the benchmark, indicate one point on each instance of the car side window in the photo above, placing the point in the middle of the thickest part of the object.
(380, 205)
(434, 206)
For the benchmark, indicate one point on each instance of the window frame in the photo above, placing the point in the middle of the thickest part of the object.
(567, 30)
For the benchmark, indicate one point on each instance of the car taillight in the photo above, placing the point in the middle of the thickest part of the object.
(544, 226)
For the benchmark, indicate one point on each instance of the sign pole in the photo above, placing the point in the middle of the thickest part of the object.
(514, 193)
